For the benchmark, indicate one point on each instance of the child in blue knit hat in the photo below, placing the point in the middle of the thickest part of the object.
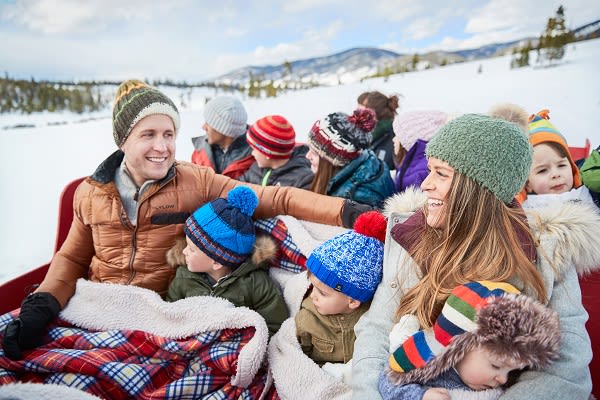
(344, 273)
(223, 258)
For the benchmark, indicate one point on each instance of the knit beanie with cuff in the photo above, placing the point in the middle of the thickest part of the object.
(273, 136)
(226, 115)
(223, 229)
(352, 262)
(494, 153)
(339, 138)
(136, 100)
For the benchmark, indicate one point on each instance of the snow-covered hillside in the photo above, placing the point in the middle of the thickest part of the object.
(38, 162)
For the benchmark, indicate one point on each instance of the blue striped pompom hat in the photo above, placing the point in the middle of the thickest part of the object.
(223, 229)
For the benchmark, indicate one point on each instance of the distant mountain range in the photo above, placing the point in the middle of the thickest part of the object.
(359, 63)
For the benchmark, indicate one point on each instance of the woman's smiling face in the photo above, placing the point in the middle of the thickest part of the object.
(437, 186)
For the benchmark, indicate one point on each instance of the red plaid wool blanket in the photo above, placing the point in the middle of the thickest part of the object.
(121, 342)
(295, 239)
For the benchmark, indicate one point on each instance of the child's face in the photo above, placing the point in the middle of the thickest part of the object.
(195, 259)
(328, 301)
(481, 370)
(261, 159)
(550, 172)
(314, 160)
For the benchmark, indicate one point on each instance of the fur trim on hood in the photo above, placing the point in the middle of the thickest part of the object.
(573, 228)
(516, 328)
(265, 249)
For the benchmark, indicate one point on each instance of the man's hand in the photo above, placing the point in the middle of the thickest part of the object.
(351, 210)
(25, 332)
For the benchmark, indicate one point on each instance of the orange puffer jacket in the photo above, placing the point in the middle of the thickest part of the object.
(104, 246)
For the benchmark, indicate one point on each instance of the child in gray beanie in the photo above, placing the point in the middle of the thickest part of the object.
(224, 147)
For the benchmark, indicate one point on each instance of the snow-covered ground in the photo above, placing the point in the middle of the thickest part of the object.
(37, 162)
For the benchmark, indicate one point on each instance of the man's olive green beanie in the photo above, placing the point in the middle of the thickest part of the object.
(136, 100)
(493, 152)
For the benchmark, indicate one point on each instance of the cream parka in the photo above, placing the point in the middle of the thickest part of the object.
(569, 239)
(104, 246)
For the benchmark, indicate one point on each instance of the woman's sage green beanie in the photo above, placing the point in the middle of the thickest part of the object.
(493, 152)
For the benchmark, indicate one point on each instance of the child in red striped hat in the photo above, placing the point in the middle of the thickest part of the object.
(279, 160)
(485, 331)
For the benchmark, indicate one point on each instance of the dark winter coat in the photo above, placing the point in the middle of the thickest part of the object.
(383, 143)
(296, 172)
(232, 163)
(413, 169)
(365, 180)
(103, 245)
(249, 285)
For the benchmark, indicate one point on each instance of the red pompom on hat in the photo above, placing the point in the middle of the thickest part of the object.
(371, 223)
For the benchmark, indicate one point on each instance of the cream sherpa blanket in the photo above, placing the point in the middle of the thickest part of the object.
(295, 375)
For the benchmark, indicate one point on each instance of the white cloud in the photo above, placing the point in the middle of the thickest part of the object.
(312, 43)
(198, 39)
(422, 28)
(92, 16)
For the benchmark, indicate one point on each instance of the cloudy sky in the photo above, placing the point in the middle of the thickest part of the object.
(196, 40)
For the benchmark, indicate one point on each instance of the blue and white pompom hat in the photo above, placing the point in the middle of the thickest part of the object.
(223, 229)
(352, 262)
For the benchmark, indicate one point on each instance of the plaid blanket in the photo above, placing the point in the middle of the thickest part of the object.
(295, 239)
(119, 342)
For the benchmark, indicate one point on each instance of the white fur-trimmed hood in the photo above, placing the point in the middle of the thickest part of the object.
(573, 229)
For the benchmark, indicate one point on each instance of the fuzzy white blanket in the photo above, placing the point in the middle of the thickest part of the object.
(295, 375)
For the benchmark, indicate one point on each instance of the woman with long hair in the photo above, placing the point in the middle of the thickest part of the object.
(466, 227)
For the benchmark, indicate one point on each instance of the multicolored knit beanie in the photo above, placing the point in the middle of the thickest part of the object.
(223, 229)
(494, 315)
(273, 136)
(339, 138)
(542, 131)
(352, 262)
(494, 153)
(136, 100)
(226, 115)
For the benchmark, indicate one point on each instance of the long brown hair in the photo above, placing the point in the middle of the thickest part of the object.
(481, 240)
(325, 172)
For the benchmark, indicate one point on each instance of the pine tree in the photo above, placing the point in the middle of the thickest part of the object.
(520, 57)
(554, 38)
(415, 61)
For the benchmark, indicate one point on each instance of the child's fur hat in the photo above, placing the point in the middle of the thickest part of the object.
(512, 326)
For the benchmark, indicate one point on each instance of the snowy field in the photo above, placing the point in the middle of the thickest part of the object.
(37, 162)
